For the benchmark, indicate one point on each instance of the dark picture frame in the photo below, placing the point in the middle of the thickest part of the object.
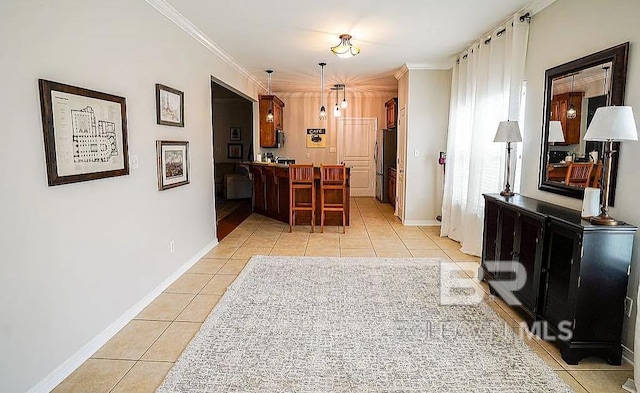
(173, 164)
(234, 150)
(169, 106)
(235, 134)
(85, 133)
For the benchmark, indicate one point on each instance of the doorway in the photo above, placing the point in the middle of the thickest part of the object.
(232, 138)
(356, 143)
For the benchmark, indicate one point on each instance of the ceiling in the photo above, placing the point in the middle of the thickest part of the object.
(291, 36)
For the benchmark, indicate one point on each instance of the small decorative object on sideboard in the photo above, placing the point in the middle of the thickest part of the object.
(508, 131)
(610, 124)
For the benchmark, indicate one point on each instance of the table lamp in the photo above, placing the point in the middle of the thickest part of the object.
(555, 132)
(610, 124)
(508, 131)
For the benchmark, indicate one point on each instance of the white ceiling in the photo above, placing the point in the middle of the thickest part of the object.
(293, 36)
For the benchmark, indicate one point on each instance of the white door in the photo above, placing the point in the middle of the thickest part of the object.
(402, 150)
(356, 142)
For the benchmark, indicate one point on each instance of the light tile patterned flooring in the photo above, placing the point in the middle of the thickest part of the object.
(142, 353)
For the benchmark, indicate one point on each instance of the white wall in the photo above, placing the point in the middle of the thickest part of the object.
(76, 257)
(428, 95)
(564, 31)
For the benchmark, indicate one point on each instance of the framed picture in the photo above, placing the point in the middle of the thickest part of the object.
(169, 106)
(85, 133)
(234, 150)
(234, 134)
(316, 137)
(173, 164)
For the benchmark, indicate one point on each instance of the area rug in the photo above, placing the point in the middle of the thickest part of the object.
(312, 324)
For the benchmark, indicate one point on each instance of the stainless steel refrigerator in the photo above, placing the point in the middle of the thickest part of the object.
(384, 157)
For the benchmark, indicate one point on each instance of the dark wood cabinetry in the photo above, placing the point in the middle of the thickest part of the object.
(268, 130)
(576, 272)
(391, 189)
(560, 103)
(392, 112)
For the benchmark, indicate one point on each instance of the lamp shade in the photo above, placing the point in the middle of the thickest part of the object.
(555, 132)
(612, 123)
(508, 131)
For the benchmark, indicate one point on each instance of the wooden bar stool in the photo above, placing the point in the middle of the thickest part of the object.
(333, 177)
(301, 178)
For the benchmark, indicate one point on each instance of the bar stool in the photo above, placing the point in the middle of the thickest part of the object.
(333, 177)
(301, 178)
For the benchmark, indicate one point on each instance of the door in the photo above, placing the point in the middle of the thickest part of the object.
(528, 252)
(356, 143)
(400, 176)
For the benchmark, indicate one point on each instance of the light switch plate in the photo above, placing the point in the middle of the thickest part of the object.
(133, 162)
(332, 150)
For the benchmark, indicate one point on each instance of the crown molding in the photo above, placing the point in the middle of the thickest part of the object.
(443, 65)
(539, 5)
(185, 24)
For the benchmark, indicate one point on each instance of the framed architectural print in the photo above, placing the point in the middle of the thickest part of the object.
(169, 106)
(234, 150)
(85, 133)
(173, 164)
(234, 134)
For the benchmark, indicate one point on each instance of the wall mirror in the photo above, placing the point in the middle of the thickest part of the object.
(573, 92)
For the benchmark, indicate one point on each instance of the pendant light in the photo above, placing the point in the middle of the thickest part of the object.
(270, 113)
(336, 109)
(344, 103)
(323, 111)
(571, 112)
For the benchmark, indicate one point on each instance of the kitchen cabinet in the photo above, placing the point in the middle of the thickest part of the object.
(560, 103)
(576, 272)
(269, 130)
(392, 112)
(391, 189)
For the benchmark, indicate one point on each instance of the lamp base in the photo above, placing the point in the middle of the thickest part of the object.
(507, 193)
(604, 219)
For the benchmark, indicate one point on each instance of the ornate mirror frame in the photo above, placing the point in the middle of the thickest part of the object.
(618, 56)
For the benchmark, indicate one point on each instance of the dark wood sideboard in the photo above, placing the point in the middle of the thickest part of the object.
(576, 277)
(271, 195)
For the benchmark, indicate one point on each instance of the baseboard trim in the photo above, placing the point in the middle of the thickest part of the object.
(424, 223)
(70, 365)
(627, 355)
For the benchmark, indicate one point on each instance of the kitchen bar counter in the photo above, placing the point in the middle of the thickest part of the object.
(271, 194)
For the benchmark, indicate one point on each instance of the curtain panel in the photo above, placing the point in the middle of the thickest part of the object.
(487, 88)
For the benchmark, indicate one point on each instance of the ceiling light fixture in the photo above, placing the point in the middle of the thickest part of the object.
(344, 103)
(323, 111)
(345, 49)
(270, 113)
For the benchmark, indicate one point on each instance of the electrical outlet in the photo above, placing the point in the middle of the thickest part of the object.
(172, 247)
(416, 153)
(628, 306)
(308, 155)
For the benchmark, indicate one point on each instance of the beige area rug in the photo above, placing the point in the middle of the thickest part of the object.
(311, 324)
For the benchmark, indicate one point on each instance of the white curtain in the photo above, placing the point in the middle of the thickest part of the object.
(487, 88)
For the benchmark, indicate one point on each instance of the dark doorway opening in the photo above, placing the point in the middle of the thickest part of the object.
(232, 118)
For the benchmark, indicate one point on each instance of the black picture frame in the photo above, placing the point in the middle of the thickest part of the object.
(235, 134)
(85, 133)
(173, 164)
(234, 150)
(618, 56)
(169, 106)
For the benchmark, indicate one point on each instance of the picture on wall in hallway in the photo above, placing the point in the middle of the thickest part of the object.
(169, 106)
(173, 164)
(85, 133)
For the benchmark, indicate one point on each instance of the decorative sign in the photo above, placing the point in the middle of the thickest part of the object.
(316, 137)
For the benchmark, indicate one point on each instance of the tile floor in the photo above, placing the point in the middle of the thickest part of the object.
(142, 353)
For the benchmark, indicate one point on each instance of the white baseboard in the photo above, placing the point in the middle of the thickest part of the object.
(627, 355)
(423, 223)
(65, 369)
